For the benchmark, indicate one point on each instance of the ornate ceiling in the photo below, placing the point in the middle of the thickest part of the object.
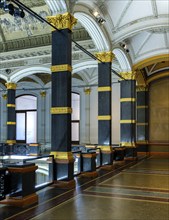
(141, 25)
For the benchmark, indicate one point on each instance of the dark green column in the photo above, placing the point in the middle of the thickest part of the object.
(128, 115)
(104, 107)
(142, 119)
(11, 115)
(61, 97)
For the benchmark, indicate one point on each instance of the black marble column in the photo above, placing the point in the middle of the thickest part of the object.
(61, 97)
(128, 115)
(142, 131)
(11, 114)
(104, 107)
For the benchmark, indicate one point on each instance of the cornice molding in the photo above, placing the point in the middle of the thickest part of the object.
(39, 41)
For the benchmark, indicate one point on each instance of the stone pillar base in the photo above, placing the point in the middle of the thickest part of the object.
(89, 174)
(20, 201)
(71, 184)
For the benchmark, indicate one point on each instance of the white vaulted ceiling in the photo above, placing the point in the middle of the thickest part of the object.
(143, 25)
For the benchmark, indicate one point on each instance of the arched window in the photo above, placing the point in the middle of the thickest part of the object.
(26, 119)
(75, 118)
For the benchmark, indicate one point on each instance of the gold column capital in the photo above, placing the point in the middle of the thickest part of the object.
(128, 144)
(62, 21)
(87, 91)
(131, 75)
(141, 88)
(43, 93)
(4, 96)
(105, 57)
(11, 85)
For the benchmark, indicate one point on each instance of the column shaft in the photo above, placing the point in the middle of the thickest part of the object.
(128, 114)
(142, 118)
(61, 96)
(11, 114)
(104, 107)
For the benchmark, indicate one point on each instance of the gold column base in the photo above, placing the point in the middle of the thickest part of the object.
(89, 174)
(71, 184)
(20, 201)
(107, 167)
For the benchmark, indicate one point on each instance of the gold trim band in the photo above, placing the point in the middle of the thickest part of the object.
(60, 110)
(104, 89)
(104, 117)
(127, 121)
(141, 124)
(106, 148)
(128, 144)
(11, 105)
(142, 142)
(127, 100)
(11, 123)
(61, 68)
(11, 141)
(142, 106)
(62, 155)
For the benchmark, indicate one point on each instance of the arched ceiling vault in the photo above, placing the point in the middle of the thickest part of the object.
(142, 26)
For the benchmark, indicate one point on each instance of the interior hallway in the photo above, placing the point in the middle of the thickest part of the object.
(134, 191)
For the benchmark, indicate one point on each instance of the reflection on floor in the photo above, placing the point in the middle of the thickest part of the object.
(136, 191)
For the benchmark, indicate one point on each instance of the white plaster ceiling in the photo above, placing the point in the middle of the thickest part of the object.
(143, 25)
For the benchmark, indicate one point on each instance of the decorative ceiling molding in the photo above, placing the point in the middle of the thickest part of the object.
(94, 31)
(138, 26)
(122, 59)
(150, 61)
(39, 41)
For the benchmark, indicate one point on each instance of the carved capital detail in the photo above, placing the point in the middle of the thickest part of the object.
(128, 75)
(87, 91)
(62, 21)
(11, 85)
(105, 57)
(141, 88)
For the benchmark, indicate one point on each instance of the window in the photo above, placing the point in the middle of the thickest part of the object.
(75, 117)
(26, 119)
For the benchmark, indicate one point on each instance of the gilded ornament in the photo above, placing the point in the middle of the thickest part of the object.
(43, 93)
(60, 110)
(104, 89)
(105, 57)
(141, 88)
(62, 155)
(61, 68)
(104, 117)
(87, 91)
(11, 85)
(128, 75)
(62, 21)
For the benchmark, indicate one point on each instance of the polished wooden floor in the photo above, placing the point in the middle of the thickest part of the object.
(132, 191)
